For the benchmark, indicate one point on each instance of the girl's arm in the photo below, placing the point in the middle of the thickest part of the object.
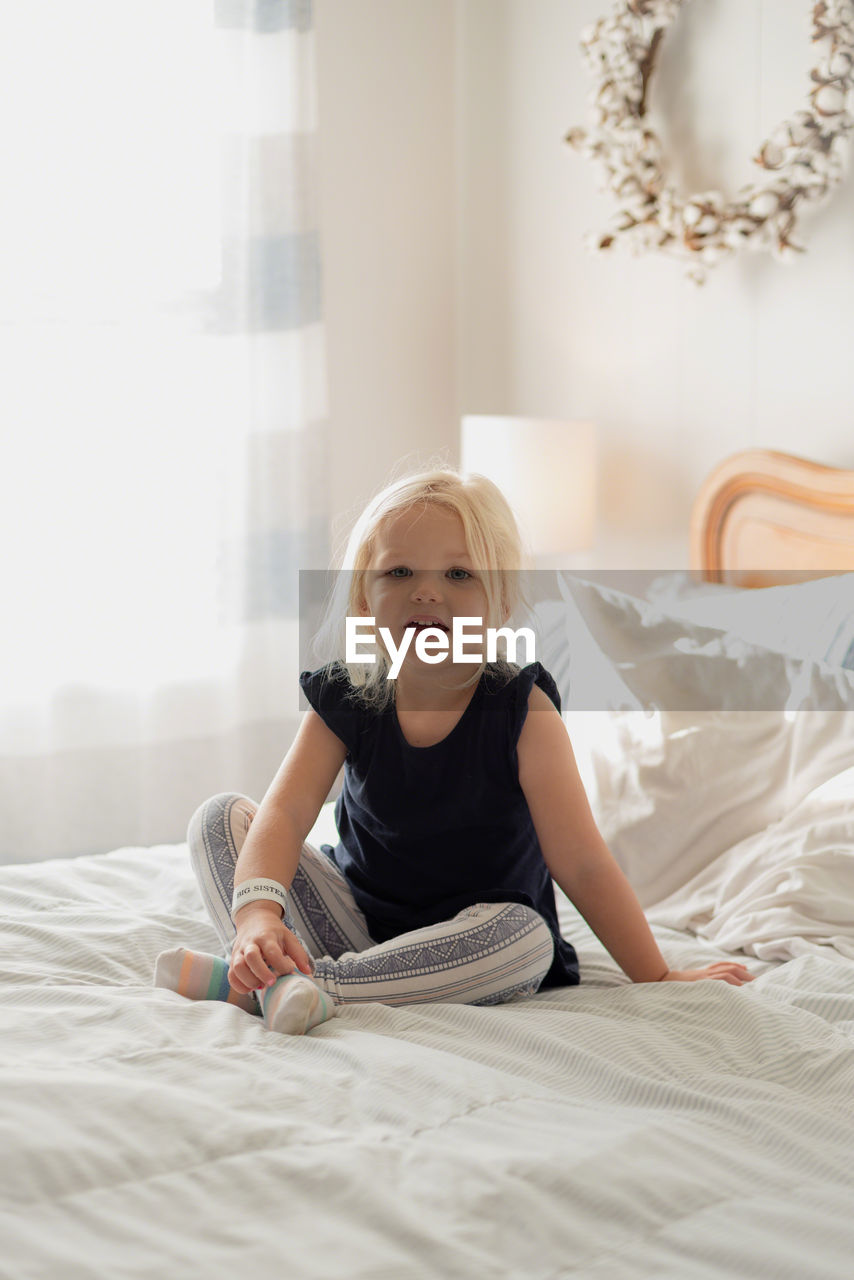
(264, 946)
(291, 804)
(578, 858)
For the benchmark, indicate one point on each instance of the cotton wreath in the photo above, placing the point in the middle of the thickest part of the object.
(802, 157)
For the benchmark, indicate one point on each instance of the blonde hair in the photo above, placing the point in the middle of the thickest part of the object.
(492, 541)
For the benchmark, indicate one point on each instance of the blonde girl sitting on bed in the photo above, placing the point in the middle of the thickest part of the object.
(461, 801)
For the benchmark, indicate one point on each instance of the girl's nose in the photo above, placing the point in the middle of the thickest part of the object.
(426, 586)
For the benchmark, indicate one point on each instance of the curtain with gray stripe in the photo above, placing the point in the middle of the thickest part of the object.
(195, 487)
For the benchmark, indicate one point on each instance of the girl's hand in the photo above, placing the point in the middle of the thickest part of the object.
(264, 949)
(725, 971)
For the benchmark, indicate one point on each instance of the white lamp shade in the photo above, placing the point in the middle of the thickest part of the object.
(546, 470)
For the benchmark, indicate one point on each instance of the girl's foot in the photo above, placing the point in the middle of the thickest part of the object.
(198, 976)
(294, 1004)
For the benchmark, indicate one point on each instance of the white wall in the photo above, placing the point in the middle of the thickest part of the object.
(457, 279)
(386, 106)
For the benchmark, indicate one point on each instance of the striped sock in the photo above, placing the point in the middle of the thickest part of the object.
(295, 1004)
(198, 976)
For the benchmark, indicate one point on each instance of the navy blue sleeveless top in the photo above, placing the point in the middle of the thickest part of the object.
(426, 831)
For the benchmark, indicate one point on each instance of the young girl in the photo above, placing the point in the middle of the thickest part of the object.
(461, 801)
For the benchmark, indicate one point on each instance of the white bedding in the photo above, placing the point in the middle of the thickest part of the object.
(607, 1131)
(610, 1130)
(784, 892)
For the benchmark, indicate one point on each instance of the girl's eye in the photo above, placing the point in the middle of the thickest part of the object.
(401, 570)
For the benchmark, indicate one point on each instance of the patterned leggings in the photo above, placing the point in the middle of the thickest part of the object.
(487, 953)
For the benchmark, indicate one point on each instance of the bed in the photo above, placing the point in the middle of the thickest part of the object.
(695, 1131)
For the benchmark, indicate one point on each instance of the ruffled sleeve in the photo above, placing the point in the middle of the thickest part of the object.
(329, 692)
(534, 673)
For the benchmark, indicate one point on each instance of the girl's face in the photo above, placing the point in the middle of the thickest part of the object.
(421, 569)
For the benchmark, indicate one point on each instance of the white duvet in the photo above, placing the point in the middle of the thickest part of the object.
(610, 1130)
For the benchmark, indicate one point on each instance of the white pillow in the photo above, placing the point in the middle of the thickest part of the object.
(626, 654)
(812, 619)
(721, 737)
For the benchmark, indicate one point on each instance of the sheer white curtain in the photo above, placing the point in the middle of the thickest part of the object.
(165, 439)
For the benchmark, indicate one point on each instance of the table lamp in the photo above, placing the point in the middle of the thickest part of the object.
(546, 469)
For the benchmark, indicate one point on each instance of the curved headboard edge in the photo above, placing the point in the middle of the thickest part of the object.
(806, 486)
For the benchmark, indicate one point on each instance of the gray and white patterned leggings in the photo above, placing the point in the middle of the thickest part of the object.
(486, 954)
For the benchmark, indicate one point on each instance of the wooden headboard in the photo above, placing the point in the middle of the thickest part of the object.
(763, 517)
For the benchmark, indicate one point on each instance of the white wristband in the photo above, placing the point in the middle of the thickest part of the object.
(252, 890)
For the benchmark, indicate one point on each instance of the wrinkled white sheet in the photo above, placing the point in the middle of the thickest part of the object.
(605, 1131)
(784, 892)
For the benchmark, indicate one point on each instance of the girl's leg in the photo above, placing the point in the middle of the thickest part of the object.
(321, 911)
(486, 954)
